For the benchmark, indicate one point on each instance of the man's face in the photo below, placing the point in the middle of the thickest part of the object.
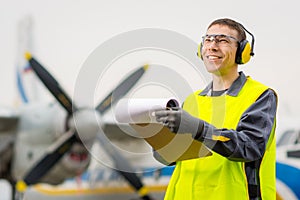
(219, 49)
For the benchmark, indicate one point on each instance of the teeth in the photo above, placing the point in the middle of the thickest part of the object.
(212, 57)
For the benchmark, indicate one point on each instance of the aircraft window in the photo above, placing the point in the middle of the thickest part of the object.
(288, 137)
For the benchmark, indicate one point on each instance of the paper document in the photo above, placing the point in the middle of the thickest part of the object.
(142, 110)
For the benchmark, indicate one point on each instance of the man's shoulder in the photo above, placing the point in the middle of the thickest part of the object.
(256, 84)
(193, 96)
(259, 86)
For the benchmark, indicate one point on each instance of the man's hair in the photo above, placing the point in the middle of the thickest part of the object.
(231, 24)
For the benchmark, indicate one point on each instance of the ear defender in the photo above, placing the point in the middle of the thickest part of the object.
(243, 53)
(199, 52)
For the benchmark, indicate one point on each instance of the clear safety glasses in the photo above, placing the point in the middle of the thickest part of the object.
(220, 39)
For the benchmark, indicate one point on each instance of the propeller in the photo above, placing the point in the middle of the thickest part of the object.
(63, 144)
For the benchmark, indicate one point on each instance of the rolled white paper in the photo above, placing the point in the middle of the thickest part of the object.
(142, 110)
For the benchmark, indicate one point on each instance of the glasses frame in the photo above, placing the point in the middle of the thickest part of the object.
(213, 37)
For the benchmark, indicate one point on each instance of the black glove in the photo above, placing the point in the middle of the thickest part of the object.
(180, 121)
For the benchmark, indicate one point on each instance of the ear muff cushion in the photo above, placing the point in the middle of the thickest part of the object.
(246, 54)
(243, 52)
(199, 53)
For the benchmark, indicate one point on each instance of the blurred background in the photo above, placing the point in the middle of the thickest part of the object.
(65, 32)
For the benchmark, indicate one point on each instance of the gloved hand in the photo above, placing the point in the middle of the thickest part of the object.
(180, 121)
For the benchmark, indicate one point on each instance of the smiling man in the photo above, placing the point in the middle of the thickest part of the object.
(234, 116)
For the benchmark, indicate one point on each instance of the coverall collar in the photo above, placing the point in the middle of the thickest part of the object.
(234, 89)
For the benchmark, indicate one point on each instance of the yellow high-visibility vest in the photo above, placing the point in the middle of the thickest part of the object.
(216, 177)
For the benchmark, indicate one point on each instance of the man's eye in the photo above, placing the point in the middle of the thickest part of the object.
(223, 40)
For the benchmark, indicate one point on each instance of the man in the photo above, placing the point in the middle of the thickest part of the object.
(234, 116)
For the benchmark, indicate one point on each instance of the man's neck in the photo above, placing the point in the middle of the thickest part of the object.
(224, 81)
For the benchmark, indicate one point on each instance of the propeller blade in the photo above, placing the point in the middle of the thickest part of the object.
(121, 89)
(123, 167)
(52, 85)
(53, 155)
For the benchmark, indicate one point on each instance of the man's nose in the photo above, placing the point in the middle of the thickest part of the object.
(213, 45)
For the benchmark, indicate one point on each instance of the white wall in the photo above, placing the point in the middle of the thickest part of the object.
(67, 31)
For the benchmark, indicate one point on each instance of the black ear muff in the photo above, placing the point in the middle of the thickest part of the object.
(199, 52)
(243, 53)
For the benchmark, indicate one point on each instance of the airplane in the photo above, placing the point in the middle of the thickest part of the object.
(288, 164)
(40, 142)
(31, 164)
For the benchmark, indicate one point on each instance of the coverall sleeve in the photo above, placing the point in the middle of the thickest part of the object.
(248, 141)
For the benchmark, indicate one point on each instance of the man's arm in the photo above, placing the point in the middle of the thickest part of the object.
(246, 143)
